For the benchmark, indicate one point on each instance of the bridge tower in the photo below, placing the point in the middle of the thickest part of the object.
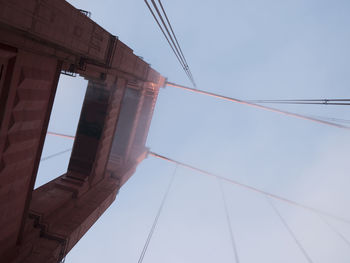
(39, 39)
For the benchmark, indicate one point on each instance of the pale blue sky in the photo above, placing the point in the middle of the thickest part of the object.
(246, 49)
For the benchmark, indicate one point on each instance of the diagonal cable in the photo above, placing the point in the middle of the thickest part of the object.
(292, 114)
(253, 189)
(173, 46)
(340, 235)
(177, 42)
(61, 135)
(248, 187)
(145, 247)
(290, 231)
(325, 101)
(331, 119)
(54, 155)
(305, 102)
(166, 37)
(167, 30)
(228, 219)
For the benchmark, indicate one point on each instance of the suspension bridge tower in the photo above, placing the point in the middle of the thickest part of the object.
(39, 40)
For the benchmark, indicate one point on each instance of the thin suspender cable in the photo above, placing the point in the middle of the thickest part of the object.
(161, 28)
(254, 189)
(290, 231)
(167, 30)
(228, 219)
(172, 31)
(54, 155)
(166, 37)
(178, 56)
(176, 45)
(144, 250)
(296, 115)
(177, 42)
(340, 235)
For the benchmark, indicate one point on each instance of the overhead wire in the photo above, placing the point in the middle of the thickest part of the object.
(176, 49)
(334, 230)
(244, 102)
(331, 119)
(169, 35)
(166, 37)
(54, 155)
(307, 100)
(290, 231)
(252, 188)
(155, 222)
(61, 135)
(228, 220)
(336, 102)
(177, 42)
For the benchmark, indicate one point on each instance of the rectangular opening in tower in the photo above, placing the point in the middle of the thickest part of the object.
(63, 121)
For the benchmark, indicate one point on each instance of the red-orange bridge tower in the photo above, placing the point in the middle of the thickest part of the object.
(38, 40)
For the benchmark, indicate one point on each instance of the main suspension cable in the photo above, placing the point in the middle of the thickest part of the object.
(290, 231)
(308, 100)
(155, 222)
(61, 135)
(252, 188)
(296, 115)
(334, 102)
(228, 220)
